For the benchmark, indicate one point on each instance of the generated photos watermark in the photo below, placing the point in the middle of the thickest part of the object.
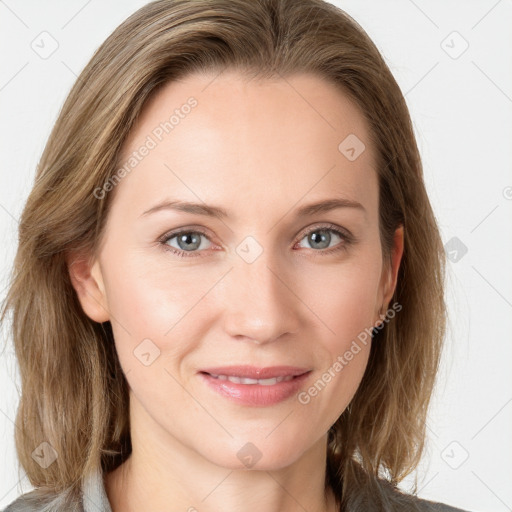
(151, 142)
(304, 397)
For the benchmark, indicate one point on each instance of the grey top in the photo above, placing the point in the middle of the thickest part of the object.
(94, 499)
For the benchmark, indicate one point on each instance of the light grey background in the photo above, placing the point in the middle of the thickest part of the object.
(461, 104)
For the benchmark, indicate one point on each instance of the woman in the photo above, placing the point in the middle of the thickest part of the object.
(183, 341)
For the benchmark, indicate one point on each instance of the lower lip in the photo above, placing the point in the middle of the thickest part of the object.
(255, 394)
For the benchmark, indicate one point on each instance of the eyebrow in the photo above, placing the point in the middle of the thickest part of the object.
(220, 213)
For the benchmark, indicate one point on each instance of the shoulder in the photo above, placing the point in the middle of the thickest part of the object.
(89, 496)
(394, 499)
(381, 495)
(434, 506)
(413, 502)
(40, 500)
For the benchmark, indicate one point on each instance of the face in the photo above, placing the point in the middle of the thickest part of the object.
(249, 276)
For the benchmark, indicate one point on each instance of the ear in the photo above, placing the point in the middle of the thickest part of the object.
(390, 272)
(87, 280)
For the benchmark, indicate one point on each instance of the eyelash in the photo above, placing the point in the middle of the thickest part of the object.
(347, 240)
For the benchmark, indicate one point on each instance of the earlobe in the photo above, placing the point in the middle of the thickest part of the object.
(87, 280)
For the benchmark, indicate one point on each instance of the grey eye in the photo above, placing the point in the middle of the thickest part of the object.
(320, 238)
(187, 240)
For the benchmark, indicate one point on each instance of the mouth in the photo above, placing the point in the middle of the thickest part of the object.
(246, 380)
(249, 385)
(245, 374)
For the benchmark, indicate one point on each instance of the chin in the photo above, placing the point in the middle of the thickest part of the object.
(262, 455)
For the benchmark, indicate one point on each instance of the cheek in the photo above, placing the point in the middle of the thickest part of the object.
(346, 307)
(147, 301)
(149, 290)
(342, 297)
(153, 320)
(345, 304)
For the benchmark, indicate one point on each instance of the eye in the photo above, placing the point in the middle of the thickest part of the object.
(183, 242)
(320, 237)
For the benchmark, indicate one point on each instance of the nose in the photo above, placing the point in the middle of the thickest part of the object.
(261, 305)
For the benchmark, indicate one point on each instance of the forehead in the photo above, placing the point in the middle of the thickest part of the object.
(294, 137)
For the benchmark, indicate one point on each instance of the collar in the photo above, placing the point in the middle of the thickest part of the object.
(94, 494)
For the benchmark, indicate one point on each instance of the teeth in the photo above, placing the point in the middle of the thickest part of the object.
(270, 382)
(246, 380)
(242, 380)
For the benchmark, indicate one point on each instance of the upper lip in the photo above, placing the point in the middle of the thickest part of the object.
(254, 372)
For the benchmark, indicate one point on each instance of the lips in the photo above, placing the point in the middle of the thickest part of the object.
(254, 386)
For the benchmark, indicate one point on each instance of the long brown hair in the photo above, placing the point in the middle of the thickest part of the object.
(74, 394)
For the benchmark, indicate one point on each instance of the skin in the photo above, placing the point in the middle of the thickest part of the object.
(260, 149)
